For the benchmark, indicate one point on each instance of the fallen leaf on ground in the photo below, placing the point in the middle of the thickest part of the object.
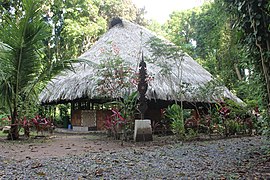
(37, 165)
(99, 172)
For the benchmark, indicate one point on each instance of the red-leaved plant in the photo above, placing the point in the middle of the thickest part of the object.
(114, 123)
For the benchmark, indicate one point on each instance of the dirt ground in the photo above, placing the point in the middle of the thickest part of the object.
(55, 145)
(60, 144)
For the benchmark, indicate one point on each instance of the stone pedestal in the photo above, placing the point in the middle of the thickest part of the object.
(143, 130)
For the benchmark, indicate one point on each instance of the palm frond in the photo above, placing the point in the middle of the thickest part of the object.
(21, 49)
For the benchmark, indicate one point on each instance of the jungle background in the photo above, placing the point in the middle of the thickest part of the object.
(230, 38)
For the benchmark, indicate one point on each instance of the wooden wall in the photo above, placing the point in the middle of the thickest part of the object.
(101, 116)
(76, 118)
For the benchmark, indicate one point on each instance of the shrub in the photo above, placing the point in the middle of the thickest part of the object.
(175, 114)
(263, 125)
(233, 127)
(191, 133)
(4, 120)
(114, 124)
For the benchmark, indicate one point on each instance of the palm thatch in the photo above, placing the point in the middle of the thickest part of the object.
(173, 76)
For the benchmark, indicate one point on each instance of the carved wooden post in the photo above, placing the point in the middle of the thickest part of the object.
(142, 88)
(143, 129)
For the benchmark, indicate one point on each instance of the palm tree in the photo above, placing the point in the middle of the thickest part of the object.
(23, 63)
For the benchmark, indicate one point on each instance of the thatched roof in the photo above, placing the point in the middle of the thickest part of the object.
(127, 41)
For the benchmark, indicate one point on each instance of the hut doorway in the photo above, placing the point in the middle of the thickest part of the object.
(88, 116)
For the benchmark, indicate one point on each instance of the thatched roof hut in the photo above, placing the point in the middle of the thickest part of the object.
(173, 77)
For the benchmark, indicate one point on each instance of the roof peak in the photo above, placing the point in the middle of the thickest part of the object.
(116, 21)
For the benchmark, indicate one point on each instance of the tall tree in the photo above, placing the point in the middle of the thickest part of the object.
(112, 8)
(198, 32)
(156, 27)
(180, 29)
(78, 24)
(210, 32)
(253, 19)
(75, 25)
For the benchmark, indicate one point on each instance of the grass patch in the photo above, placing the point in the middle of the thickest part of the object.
(3, 134)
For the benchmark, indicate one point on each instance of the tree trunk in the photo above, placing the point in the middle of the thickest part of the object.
(264, 59)
(267, 68)
(14, 132)
(237, 72)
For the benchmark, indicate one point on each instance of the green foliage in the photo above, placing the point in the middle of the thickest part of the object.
(169, 51)
(204, 33)
(211, 90)
(76, 25)
(252, 19)
(263, 124)
(115, 77)
(117, 8)
(233, 127)
(227, 38)
(124, 114)
(128, 108)
(23, 63)
(128, 105)
(4, 120)
(159, 47)
(156, 27)
(63, 109)
(236, 109)
(217, 128)
(175, 114)
(180, 29)
(191, 133)
(62, 116)
(21, 66)
(201, 25)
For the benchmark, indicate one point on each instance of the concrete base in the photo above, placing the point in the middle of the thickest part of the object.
(80, 129)
(143, 130)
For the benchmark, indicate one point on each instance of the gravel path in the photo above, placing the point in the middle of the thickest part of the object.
(195, 160)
